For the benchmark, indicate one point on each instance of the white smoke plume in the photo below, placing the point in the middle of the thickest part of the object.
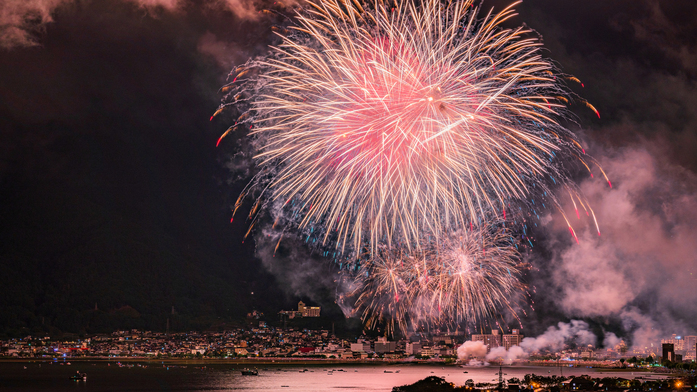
(554, 339)
(611, 340)
(507, 357)
(470, 349)
(642, 267)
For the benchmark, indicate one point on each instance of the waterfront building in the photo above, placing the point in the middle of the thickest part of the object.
(491, 340)
(427, 351)
(385, 346)
(512, 339)
(413, 348)
(361, 346)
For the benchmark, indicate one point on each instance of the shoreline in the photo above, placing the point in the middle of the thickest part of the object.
(308, 362)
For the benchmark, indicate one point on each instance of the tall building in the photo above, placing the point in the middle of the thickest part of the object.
(491, 340)
(512, 339)
(668, 351)
(690, 348)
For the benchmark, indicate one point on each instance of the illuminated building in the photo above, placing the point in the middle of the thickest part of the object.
(513, 339)
(303, 311)
(308, 311)
(691, 348)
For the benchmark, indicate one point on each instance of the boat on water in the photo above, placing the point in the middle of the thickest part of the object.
(390, 371)
(250, 372)
(79, 377)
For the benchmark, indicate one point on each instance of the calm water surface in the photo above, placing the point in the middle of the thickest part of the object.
(159, 377)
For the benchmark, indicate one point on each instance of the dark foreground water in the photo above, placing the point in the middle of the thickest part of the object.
(47, 376)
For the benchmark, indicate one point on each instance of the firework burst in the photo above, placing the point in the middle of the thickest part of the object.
(464, 278)
(381, 123)
(402, 142)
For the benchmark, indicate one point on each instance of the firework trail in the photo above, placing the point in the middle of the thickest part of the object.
(462, 279)
(381, 123)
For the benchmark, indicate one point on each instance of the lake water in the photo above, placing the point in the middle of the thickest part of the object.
(161, 377)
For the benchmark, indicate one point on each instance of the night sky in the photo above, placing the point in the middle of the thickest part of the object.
(113, 193)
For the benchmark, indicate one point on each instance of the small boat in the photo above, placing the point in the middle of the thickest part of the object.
(250, 372)
(79, 377)
(388, 371)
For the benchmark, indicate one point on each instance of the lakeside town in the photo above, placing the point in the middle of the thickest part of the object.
(262, 344)
(259, 341)
(669, 366)
(269, 342)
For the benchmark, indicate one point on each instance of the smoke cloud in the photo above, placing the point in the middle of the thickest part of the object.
(243, 9)
(506, 356)
(674, 41)
(470, 349)
(555, 338)
(297, 271)
(23, 21)
(226, 54)
(636, 276)
(643, 265)
(20, 20)
(611, 340)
